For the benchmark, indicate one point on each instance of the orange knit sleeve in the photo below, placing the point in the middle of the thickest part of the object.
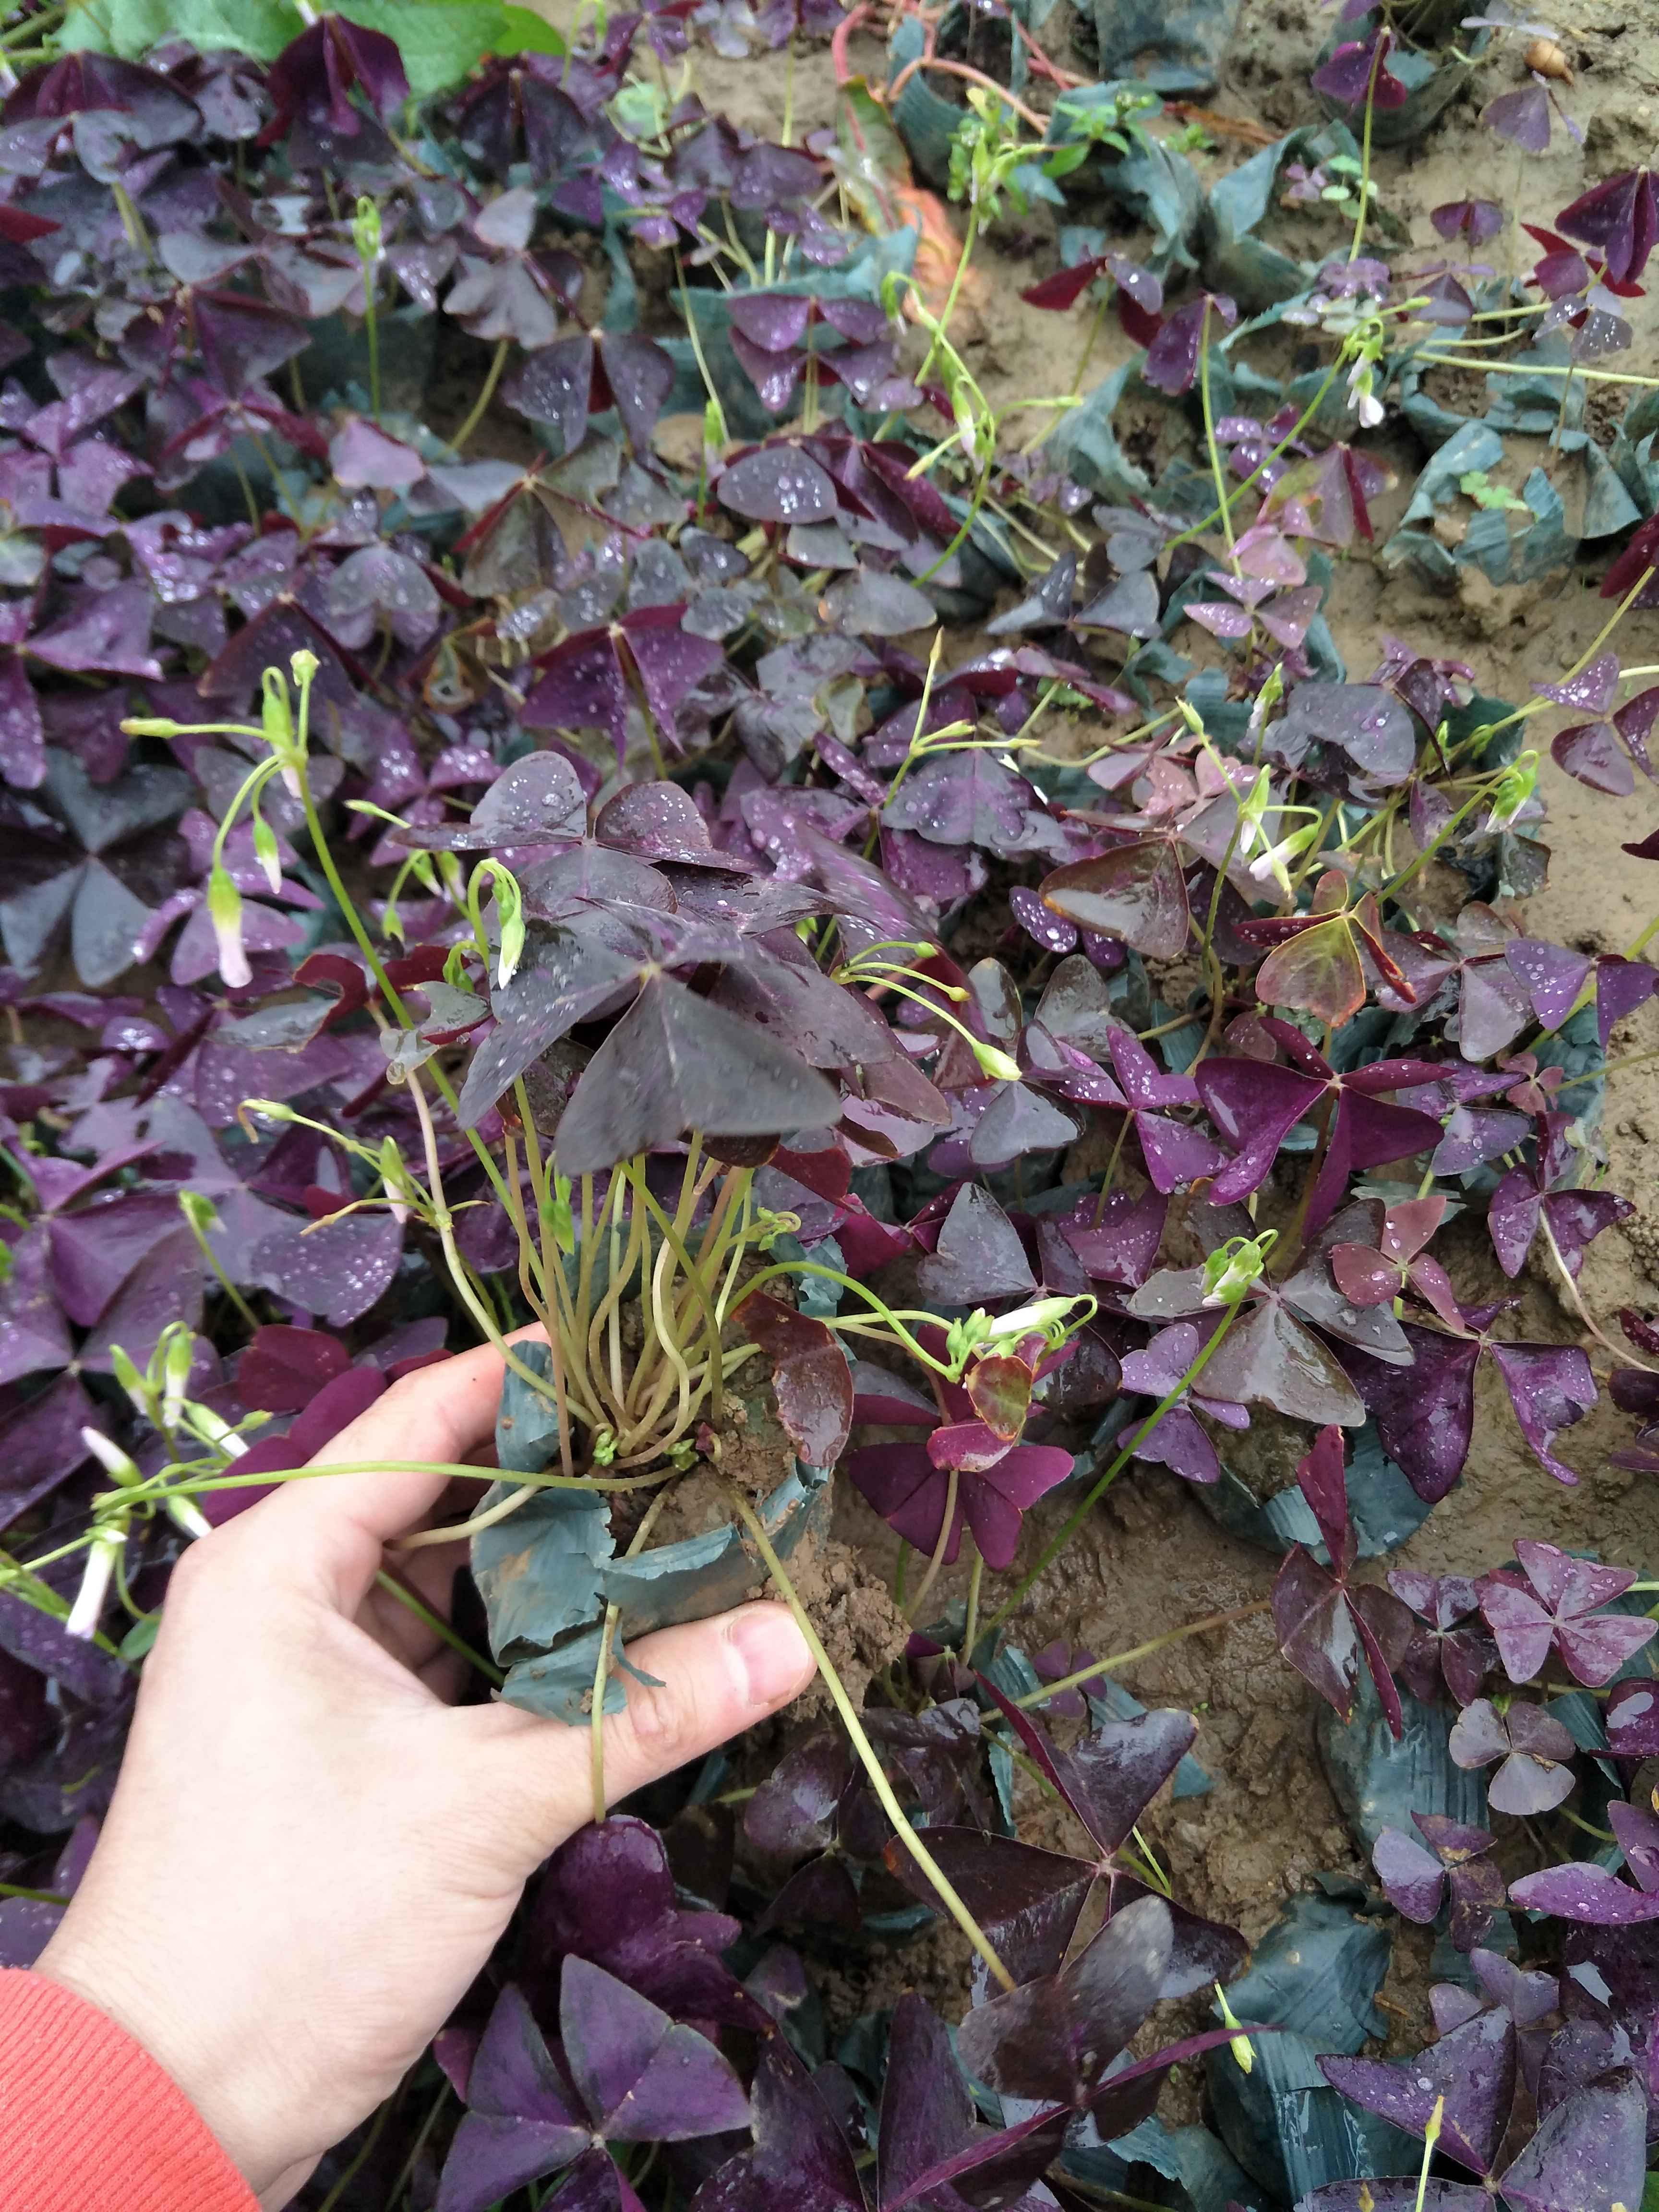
(88, 2120)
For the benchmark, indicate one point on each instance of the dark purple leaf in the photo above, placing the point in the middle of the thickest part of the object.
(1584, 1892)
(1171, 362)
(284, 1369)
(1551, 1387)
(166, 1286)
(1472, 2068)
(926, 2114)
(1620, 219)
(522, 2120)
(979, 1258)
(1137, 893)
(674, 1062)
(1412, 1878)
(1424, 1413)
(810, 1377)
(962, 798)
(1633, 1720)
(1476, 220)
(1053, 2039)
(1522, 117)
(1368, 723)
(642, 2078)
(1533, 1746)
(32, 1335)
(1111, 1775)
(608, 1895)
(335, 1269)
(1253, 1105)
(1357, 75)
(778, 483)
(1589, 2154)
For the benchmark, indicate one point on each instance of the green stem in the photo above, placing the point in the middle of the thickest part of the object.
(497, 364)
(1283, 447)
(440, 1627)
(1103, 1483)
(342, 899)
(696, 336)
(405, 2172)
(226, 1284)
(444, 1222)
(1377, 52)
(942, 326)
(156, 1488)
(336, 2195)
(970, 1622)
(1541, 369)
(372, 332)
(951, 1487)
(1139, 1651)
(1632, 1058)
(601, 1669)
(866, 1750)
(1224, 505)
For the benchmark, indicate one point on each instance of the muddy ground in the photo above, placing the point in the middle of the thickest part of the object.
(1152, 1559)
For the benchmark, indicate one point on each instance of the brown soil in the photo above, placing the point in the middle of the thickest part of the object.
(844, 1597)
(1152, 1560)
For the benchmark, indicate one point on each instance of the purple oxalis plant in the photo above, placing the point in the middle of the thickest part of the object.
(637, 829)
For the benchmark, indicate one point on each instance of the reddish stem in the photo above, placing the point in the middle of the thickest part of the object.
(844, 30)
(1041, 62)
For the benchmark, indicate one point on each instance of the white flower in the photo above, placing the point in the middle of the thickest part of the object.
(99, 1571)
(225, 912)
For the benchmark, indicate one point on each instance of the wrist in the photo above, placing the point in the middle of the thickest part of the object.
(216, 2069)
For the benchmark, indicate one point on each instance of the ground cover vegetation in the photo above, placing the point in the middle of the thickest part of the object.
(891, 931)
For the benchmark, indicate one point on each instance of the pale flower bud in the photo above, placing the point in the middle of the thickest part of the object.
(105, 1550)
(225, 912)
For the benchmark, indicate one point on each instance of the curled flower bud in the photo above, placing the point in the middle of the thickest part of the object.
(999, 1066)
(366, 230)
(1233, 1267)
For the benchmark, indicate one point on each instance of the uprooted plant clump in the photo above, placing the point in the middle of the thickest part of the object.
(859, 925)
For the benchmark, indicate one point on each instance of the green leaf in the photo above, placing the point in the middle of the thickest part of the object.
(439, 40)
(260, 29)
(526, 32)
(139, 1638)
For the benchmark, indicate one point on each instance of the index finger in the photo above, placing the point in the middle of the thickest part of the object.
(330, 1530)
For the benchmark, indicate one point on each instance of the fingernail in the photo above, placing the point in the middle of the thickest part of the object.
(770, 1652)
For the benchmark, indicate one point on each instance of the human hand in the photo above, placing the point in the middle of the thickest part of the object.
(310, 1854)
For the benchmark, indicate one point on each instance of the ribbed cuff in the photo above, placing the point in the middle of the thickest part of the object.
(88, 2120)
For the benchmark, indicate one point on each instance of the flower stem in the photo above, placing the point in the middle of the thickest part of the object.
(229, 1288)
(1097, 1490)
(484, 396)
(1140, 1651)
(866, 1750)
(440, 1627)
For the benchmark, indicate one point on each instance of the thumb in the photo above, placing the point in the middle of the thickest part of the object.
(717, 1678)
